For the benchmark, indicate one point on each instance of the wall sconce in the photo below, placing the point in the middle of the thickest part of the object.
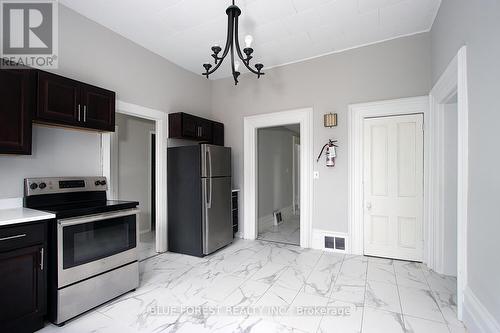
(330, 120)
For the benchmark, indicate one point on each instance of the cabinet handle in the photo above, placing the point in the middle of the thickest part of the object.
(12, 237)
(85, 113)
(79, 112)
(41, 259)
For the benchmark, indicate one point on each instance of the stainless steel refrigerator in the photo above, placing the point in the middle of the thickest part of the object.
(199, 199)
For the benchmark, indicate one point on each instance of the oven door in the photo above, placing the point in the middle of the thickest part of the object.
(94, 244)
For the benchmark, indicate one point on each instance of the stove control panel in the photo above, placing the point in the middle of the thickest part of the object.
(51, 185)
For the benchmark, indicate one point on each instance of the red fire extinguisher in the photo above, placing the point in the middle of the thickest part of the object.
(330, 153)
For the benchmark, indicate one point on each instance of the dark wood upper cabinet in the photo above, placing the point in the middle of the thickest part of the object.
(72, 103)
(218, 134)
(16, 107)
(58, 99)
(98, 108)
(185, 126)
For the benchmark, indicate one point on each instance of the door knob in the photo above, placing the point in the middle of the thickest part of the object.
(369, 205)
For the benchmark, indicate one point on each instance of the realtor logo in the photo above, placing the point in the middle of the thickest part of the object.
(29, 33)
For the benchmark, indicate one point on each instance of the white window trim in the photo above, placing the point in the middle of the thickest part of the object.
(109, 152)
(305, 118)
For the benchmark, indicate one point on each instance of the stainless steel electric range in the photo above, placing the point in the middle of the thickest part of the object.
(92, 243)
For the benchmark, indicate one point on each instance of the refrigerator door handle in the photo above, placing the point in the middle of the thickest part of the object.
(209, 194)
(209, 154)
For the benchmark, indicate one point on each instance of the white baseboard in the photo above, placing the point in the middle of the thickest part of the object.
(145, 231)
(11, 203)
(318, 239)
(265, 222)
(287, 212)
(476, 317)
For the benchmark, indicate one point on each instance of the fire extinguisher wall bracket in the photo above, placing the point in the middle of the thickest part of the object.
(330, 153)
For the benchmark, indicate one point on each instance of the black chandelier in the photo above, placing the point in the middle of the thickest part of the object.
(233, 12)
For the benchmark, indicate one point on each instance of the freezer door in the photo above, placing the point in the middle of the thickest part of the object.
(215, 161)
(216, 223)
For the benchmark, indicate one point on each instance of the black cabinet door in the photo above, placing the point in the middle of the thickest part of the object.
(189, 126)
(22, 287)
(98, 108)
(16, 109)
(218, 134)
(58, 100)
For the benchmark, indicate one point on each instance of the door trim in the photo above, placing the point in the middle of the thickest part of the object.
(251, 123)
(109, 154)
(453, 81)
(356, 116)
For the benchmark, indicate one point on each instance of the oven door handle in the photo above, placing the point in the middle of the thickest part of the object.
(96, 217)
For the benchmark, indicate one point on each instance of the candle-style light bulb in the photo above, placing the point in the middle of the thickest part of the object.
(248, 40)
(236, 65)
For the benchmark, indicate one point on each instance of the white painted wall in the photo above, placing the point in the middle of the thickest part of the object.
(91, 53)
(56, 152)
(275, 162)
(450, 188)
(134, 168)
(477, 25)
(389, 70)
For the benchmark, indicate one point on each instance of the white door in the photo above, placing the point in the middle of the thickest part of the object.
(393, 187)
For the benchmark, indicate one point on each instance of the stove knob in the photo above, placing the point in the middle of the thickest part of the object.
(42, 186)
(33, 186)
(97, 183)
(103, 182)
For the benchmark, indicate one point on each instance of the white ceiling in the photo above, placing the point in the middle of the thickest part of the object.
(284, 31)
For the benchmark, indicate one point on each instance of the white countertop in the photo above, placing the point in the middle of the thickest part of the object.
(22, 215)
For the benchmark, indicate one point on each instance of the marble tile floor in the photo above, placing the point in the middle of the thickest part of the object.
(287, 232)
(256, 286)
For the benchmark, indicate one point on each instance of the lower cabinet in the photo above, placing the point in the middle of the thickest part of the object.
(23, 285)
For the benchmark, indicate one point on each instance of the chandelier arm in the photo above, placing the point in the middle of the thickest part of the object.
(238, 50)
(230, 25)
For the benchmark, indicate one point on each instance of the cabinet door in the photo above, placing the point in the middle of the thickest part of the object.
(218, 134)
(189, 126)
(16, 109)
(98, 108)
(22, 286)
(204, 130)
(58, 100)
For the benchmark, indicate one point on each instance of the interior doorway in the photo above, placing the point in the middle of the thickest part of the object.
(135, 170)
(278, 177)
(252, 124)
(109, 151)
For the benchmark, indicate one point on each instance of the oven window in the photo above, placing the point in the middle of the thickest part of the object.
(83, 243)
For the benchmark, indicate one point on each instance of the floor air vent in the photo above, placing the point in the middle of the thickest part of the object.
(278, 219)
(335, 243)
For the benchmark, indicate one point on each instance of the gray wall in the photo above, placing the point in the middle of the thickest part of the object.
(275, 163)
(93, 54)
(394, 69)
(134, 164)
(477, 24)
(56, 152)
